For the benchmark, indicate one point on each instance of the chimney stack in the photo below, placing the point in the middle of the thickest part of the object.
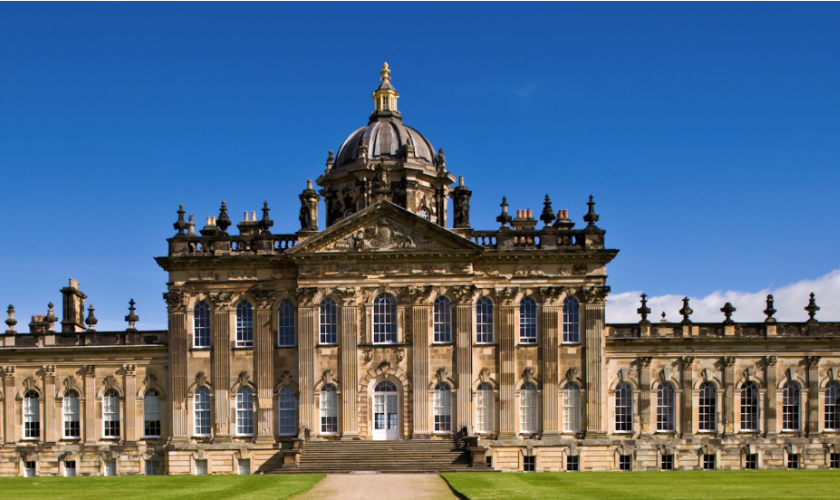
(73, 310)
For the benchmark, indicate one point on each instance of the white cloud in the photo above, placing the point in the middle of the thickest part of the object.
(789, 302)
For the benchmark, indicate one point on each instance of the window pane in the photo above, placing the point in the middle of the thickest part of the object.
(485, 405)
(790, 407)
(443, 407)
(329, 327)
(384, 319)
(151, 414)
(443, 320)
(201, 325)
(31, 416)
(329, 409)
(571, 407)
(665, 408)
(244, 325)
(623, 408)
(70, 410)
(571, 321)
(528, 321)
(244, 412)
(832, 406)
(749, 407)
(201, 411)
(528, 408)
(708, 407)
(288, 411)
(484, 321)
(111, 414)
(286, 324)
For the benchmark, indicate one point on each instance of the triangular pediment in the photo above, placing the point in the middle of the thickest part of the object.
(384, 227)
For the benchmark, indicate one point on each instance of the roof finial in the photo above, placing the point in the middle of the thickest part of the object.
(91, 320)
(386, 73)
(131, 318)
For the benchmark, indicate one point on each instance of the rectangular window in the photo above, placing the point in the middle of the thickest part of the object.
(28, 469)
(751, 461)
(484, 321)
(152, 468)
(834, 460)
(489, 460)
(573, 463)
(110, 467)
(667, 462)
(201, 467)
(244, 467)
(708, 462)
(625, 462)
(793, 461)
(529, 464)
(69, 468)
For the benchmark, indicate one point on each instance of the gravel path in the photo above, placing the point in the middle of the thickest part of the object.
(390, 486)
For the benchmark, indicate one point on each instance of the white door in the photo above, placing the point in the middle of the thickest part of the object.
(386, 415)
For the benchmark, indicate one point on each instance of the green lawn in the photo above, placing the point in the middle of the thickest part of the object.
(759, 485)
(273, 486)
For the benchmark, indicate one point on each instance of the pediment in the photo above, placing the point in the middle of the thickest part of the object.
(384, 227)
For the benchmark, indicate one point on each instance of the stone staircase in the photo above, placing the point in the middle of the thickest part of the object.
(383, 456)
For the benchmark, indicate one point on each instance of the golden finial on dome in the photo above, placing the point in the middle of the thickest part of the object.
(386, 73)
(385, 97)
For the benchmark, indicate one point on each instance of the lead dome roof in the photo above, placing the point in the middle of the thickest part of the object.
(385, 137)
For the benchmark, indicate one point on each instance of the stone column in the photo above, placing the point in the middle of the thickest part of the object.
(813, 428)
(220, 363)
(349, 361)
(9, 404)
(729, 395)
(90, 403)
(420, 326)
(644, 396)
(549, 340)
(770, 377)
(463, 355)
(687, 390)
(130, 372)
(176, 302)
(264, 364)
(308, 335)
(595, 299)
(507, 361)
(49, 420)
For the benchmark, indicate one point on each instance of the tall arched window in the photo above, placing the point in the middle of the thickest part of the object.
(665, 406)
(571, 407)
(384, 319)
(443, 408)
(484, 321)
(623, 408)
(244, 412)
(70, 414)
(571, 321)
(31, 416)
(329, 409)
(528, 321)
(443, 320)
(790, 406)
(244, 324)
(485, 406)
(201, 325)
(151, 414)
(749, 406)
(201, 412)
(329, 322)
(832, 406)
(111, 414)
(707, 407)
(528, 408)
(286, 324)
(287, 408)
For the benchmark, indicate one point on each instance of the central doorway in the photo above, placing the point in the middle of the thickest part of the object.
(386, 413)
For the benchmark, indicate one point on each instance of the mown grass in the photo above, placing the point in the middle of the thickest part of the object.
(273, 486)
(688, 485)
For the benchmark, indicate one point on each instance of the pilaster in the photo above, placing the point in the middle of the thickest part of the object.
(308, 333)
(549, 359)
(644, 396)
(130, 384)
(728, 395)
(264, 365)
(507, 361)
(176, 302)
(813, 416)
(90, 403)
(594, 367)
(687, 391)
(349, 360)
(420, 323)
(220, 363)
(770, 377)
(49, 404)
(463, 356)
(9, 404)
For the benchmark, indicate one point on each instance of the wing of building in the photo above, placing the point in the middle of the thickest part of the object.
(384, 321)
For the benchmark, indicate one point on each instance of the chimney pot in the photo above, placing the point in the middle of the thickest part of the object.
(74, 284)
(461, 180)
(245, 217)
(308, 184)
(529, 213)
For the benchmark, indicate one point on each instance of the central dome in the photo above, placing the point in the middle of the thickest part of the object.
(386, 138)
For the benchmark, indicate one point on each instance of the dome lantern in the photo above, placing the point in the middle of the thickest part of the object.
(385, 96)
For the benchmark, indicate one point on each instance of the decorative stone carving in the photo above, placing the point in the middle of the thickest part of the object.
(399, 352)
(306, 296)
(528, 374)
(687, 361)
(242, 275)
(419, 294)
(199, 275)
(464, 294)
(812, 361)
(368, 353)
(130, 369)
(8, 371)
(264, 297)
(571, 374)
(644, 361)
(176, 299)
(48, 370)
(729, 361)
(348, 296)
(382, 236)
(507, 295)
(243, 378)
(89, 370)
(595, 294)
(551, 294)
(200, 379)
(221, 300)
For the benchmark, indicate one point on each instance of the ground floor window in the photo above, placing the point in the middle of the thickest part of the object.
(529, 464)
(572, 463)
(152, 468)
(29, 469)
(69, 468)
(110, 467)
(201, 467)
(708, 462)
(329, 410)
(793, 461)
(751, 461)
(834, 460)
(624, 462)
(667, 462)
(244, 467)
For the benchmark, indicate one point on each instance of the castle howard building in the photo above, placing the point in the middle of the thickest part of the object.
(384, 320)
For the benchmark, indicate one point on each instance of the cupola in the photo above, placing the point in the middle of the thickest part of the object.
(385, 97)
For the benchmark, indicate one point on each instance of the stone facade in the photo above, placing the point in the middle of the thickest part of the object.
(389, 325)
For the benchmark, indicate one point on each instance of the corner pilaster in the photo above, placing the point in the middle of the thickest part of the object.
(176, 302)
(220, 363)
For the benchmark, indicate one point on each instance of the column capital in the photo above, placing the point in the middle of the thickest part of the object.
(729, 361)
(507, 295)
(221, 300)
(464, 294)
(770, 360)
(176, 300)
(349, 296)
(48, 370)
(644, 361)
(595, 294)
(812, 361)
(417, 295)
(264, 297)
(551, 294)
(306, 296)
(687, 361)
(89, 370)
(130, 370)
(9, 371)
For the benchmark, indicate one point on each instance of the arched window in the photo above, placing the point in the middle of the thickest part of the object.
(832, 406)
(571, 321)
(287, 408)
(790, 407)
(329, 323)
(384, 319)
(31, 416)
(111, 414)
(484, 321)
(749, 406)
(329, 409)
(528, 321)
(485, 406)
(201, 412)
(286, 324)
(201, 325)
(151, 414)
(571, 407)
(443, 320)
(623, 408)
(528, 408)
(707, 408)
(244, 412)
(443, 408)
(244, 325)
(665, 406)
(70, 412)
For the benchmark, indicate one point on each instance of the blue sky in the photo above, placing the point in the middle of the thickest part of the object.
(708, 133)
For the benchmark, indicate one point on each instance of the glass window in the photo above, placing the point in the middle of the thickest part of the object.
(201, 411)
(111, 414)
(384, 319)
(201, 467)
(708, 407)
(31, 416)
(571, 321)
(151, 414)
(287, 408)
(244, 467)
(625, 462)
(69, 468)
(29, 469)
(244, 325)
(749, 406)
(70, 410)
(110, 467)
(573, 463)
(329, 409)
(528, 321)
(329, 323)
(751, 461)
(286, 324)
(201, 325)
(832, 406)
(443, 320)
(623, 408)
(485, 404)
(443, 408)
(152, 467)
(484, 321)
(708, 462)
(529, 464)
(834, 461)
(528, 408)
(665, 408)
(244, 412)
(790, 407)
(571, 407)
(793, 461)
(667, 462)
